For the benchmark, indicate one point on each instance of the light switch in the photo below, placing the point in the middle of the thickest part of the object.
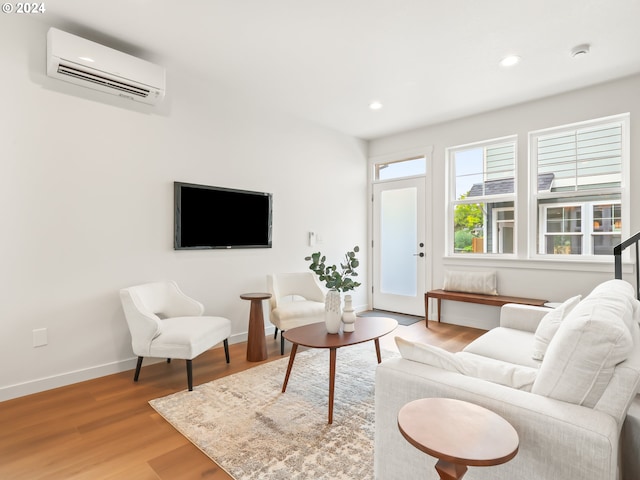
(40, 337)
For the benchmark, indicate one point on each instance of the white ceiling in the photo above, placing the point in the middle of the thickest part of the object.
(427, 61)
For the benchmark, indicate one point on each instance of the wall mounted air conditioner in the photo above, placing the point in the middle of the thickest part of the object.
(76, 60)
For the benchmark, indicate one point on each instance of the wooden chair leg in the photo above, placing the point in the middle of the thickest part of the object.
(189, 375)
(168, 360)
(226, 349)
(275, 334)
(281, 344)
(138, 366)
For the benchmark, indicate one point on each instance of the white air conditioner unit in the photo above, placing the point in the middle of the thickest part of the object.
(76, 60)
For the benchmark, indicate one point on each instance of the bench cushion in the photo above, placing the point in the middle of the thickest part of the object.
(471, 282)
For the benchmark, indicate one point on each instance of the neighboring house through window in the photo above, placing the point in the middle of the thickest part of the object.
(579, 197)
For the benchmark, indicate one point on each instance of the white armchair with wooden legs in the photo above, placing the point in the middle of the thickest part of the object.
(166, 323)
(297, 299)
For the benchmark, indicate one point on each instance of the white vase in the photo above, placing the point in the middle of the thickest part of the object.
(348, 315)
(332, 313)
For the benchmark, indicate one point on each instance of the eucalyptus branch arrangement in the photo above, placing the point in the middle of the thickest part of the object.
(339, 280)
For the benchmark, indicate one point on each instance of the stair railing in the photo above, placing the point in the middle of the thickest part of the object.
(617, 252)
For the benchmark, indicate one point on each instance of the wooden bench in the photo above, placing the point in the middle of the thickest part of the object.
(493, 300)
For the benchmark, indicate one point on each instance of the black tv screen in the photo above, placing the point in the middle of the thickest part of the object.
(217, 217)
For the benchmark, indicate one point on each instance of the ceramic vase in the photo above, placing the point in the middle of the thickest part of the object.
(348, 315)
(332, 313)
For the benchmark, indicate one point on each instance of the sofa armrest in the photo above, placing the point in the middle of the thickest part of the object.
(522, 317)
(557, 439)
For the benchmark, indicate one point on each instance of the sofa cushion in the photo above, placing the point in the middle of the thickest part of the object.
(300, 308)
(624, 288)
(468, 364)
(471, 282)
(506, 344)
(589, 343)
(297, 313)
(549, 325)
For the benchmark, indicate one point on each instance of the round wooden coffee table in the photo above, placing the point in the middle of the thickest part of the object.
(316, 336)
(458, 433)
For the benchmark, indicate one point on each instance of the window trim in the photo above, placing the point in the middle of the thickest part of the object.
(414, 153)
(451, 202)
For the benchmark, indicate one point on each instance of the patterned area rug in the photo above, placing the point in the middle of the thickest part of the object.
(401, 318)
(253, 431)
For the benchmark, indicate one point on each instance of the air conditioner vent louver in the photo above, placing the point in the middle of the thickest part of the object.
(89, 64)
(107, 82)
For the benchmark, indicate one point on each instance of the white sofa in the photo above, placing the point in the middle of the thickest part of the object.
(568, 408)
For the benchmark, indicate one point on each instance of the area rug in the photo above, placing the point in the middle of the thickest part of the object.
(252, 430)
(401, 318)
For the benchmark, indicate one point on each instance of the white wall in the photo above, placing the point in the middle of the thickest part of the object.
(86, 202)
(522, 277)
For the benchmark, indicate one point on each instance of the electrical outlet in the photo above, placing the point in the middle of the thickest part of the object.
(40, 337)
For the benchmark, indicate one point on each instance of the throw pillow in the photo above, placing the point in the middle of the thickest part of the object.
(468, 364)
(585, 350)
(497, 371)
(549, 325)
(471, 282)
(429, 354)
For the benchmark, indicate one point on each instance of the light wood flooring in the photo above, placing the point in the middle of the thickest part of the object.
(105, 429)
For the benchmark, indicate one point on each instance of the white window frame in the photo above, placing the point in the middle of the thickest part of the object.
(536, 217)
(497, 246)
(379, 165)
(586, 219)
(452, 202)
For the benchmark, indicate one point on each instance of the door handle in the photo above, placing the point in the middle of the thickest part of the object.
(421, 254)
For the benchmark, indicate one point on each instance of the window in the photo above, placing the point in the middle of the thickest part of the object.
(482, 199)
(400, 168)
(577, 178)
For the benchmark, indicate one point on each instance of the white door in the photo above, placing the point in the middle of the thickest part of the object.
(399, 253)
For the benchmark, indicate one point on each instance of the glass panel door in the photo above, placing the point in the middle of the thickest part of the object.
(399, 246)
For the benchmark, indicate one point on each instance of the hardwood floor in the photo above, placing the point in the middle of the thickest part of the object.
(105, 429)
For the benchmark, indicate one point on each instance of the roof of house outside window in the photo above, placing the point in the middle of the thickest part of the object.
(505, 185)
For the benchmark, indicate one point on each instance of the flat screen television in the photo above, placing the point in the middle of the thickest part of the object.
(217, 217)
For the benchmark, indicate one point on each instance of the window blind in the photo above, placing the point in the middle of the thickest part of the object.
(582, 159)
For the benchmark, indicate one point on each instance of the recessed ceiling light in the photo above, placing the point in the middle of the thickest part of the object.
(580, 50)
(510, 61)
(375, 105)
(87, 59)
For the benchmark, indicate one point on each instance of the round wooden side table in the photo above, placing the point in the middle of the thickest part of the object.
(458, 434)
(256, 341)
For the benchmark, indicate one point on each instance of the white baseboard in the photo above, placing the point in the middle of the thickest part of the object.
(42, 384)
(55, 381)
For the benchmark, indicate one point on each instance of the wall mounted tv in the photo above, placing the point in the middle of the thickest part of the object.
(217, 217)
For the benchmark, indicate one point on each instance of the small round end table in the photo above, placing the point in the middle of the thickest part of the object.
(458, 433)
(256, 341)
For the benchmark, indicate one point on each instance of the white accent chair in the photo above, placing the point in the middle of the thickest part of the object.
(297, 299)
(166, 323)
